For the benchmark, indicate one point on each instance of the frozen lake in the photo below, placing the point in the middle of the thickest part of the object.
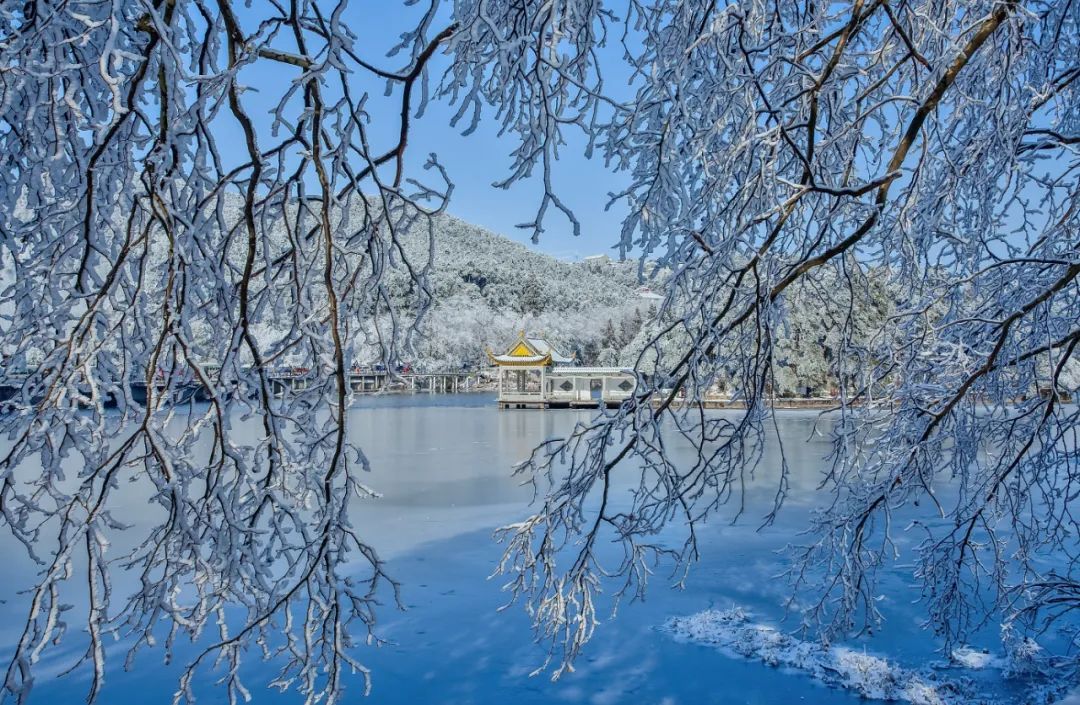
(443, 465)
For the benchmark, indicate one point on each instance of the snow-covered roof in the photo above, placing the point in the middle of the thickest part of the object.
(520, 359)
(543, 347)
(592, 371)
(647, 293)
(530, 351)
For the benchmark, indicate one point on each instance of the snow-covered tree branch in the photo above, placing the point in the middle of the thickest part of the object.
(143, 258)
(918, 155)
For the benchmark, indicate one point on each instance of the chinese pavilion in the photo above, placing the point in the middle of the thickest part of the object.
(533, 374)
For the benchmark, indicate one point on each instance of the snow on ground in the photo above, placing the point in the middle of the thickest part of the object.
(868, 675)
(975, 658)
(1072, 698)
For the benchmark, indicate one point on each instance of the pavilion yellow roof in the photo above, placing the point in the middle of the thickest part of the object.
(528, 352)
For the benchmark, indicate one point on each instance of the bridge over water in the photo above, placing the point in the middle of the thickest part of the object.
(370, 381)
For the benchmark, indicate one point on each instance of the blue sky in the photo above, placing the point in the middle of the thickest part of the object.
(474, 162)
(477, 160)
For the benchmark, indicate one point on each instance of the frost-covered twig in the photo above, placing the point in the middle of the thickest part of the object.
(148, 263)
(871, 162)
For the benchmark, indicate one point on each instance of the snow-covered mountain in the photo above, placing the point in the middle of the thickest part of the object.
(484, 289)
(487, 288)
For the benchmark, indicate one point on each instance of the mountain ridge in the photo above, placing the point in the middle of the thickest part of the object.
(487, 287)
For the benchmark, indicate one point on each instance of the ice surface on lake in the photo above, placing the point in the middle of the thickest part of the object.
(441, 464)
(733, 632)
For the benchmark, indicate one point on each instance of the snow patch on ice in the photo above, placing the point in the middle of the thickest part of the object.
(976, 659)
(868, 675)
(871, 676)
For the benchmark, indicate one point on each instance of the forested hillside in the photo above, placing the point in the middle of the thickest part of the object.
(487, 287)
(482, 289)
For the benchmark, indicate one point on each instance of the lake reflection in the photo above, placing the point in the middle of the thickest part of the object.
(442, 464)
